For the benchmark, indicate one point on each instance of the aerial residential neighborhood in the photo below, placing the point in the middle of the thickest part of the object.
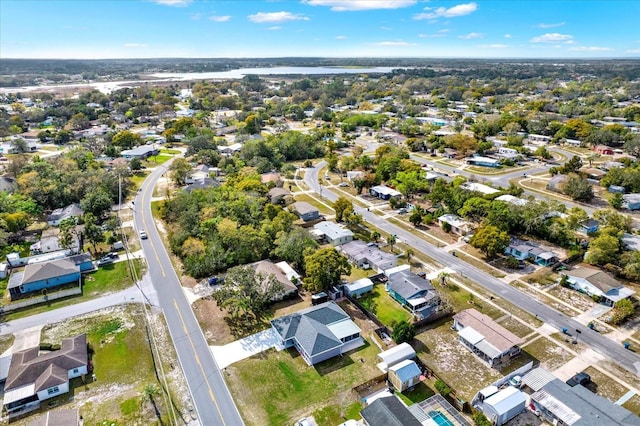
(364, 239)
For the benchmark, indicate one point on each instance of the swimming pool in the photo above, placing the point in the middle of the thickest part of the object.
(440, 418)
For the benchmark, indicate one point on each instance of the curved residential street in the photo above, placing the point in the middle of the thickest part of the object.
(209, 392)
(610, 349)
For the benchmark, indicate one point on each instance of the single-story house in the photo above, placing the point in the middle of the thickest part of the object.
(598, 283)
(404, 375)
(395, 355)
(603, 150)
(539, 256)
(557, 183)
(508, 198)
(332, 233)
(358, 287)
(504, 405)
(58, 215)
(508, 152)
(539, 138)
(268, 268)
(229, 149)
(198, 174)
(290, 273)
(486, 338)
(46, 275)
(355, 174)
(483, 161)
(206, 182)
(562, 404)
(368, 256)
(318, 333)
(631, 241)
(305, 211)
(573, 142)
(33, 378)
(414, 293)
(588, 226)
(384, 192)
(631, 201)
(479, 187)
(141, 152)
(276, 195)
(458, 225)
(388, 411)
(450, 153)
(271, 177)
(617, 189)
(9, 148)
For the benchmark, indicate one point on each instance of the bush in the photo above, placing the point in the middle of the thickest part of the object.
(479, 419)
(442, 387)
(622, 310)
(402, 332)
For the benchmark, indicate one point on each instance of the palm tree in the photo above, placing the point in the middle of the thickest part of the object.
(391, 240)
(375, 235)
(409, 253)
(148, 393)
(443, 277)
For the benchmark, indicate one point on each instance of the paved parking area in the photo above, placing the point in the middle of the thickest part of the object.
(244, 348)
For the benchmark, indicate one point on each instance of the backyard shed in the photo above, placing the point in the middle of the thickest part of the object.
(504, 405)
(359, 287)
(395, 355)
(404, 375)
(3, 270)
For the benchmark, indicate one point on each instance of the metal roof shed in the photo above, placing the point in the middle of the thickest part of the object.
(504, 405)
(395, 355)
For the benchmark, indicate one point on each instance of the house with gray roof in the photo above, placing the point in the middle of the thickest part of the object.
(414, 293)
(368, 256)
(595, 282)
(562, 404)
(34, 378)
(268, 268)
(490, 341)
(318, 333)
(305, 211)
(47, 275)
(141, 152)
(58, 215)
(332, 233)
(388, 411)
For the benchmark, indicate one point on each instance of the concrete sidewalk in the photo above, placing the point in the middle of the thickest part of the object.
(245, 348)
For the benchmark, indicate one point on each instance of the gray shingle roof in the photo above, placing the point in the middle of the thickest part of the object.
(63, 213)
(388, 411)
(407, 284)
(27, 367)
(599, 279)
(47, 270)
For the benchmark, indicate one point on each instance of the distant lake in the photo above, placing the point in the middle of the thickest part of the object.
(109, 86)
(239, 73)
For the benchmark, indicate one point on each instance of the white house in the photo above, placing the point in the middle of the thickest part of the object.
(333, 233)
(479, 187)
(33, 378)
(458, 225)
(368, 256)
(597, 283)
(58, 215)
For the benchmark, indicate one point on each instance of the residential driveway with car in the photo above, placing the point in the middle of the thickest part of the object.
(244, 348)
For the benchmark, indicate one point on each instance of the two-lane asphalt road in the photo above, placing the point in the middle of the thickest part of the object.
(209, 392)
(611, 349)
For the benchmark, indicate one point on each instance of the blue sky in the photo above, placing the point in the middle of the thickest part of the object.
(337, 28)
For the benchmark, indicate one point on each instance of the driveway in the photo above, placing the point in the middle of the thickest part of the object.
(244, 348)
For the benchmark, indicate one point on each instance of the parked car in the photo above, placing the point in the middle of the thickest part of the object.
(515, 381)
(343, 184)
(143, 234)
(579, 379)
(402, 210)
(107, 259)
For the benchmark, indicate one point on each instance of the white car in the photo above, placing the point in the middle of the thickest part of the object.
(143, 235)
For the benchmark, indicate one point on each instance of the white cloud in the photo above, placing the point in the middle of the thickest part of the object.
(444, 30)
(471, 36)
(350, 5)
(196, 16)
(275, 28)
(275, 17)
(632, 51)
(219, 18)
(174, 3)
(437, 35)
(443, 12)
(135, 45)
(551, 37)
(590, 49)
(493, 46)
(394, 43)
(555, 25)
(341, 37)
(386, 28)
(507, 36)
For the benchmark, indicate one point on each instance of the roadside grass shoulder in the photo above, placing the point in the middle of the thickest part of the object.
(633, 405)
(550, 354)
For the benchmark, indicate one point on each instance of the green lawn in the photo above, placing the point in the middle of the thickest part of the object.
(137, 179)
(277, 388)
(418, 393)
(169, 151)
(157, 159)
(383, 306)
(321, 207)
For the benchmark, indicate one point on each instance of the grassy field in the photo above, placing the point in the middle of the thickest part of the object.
(123, 366)
(633, 405)
(106, 279)
(606, 387)
(383, 306)
(169, 151)
(321, 207)
(157, 159)
(137, 179)
(277, 388)
(515, 326)
(460, 299)
(418, 393)
(5, 342)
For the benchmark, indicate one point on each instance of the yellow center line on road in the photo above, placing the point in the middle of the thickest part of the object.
(144, 222)
(211, 395)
